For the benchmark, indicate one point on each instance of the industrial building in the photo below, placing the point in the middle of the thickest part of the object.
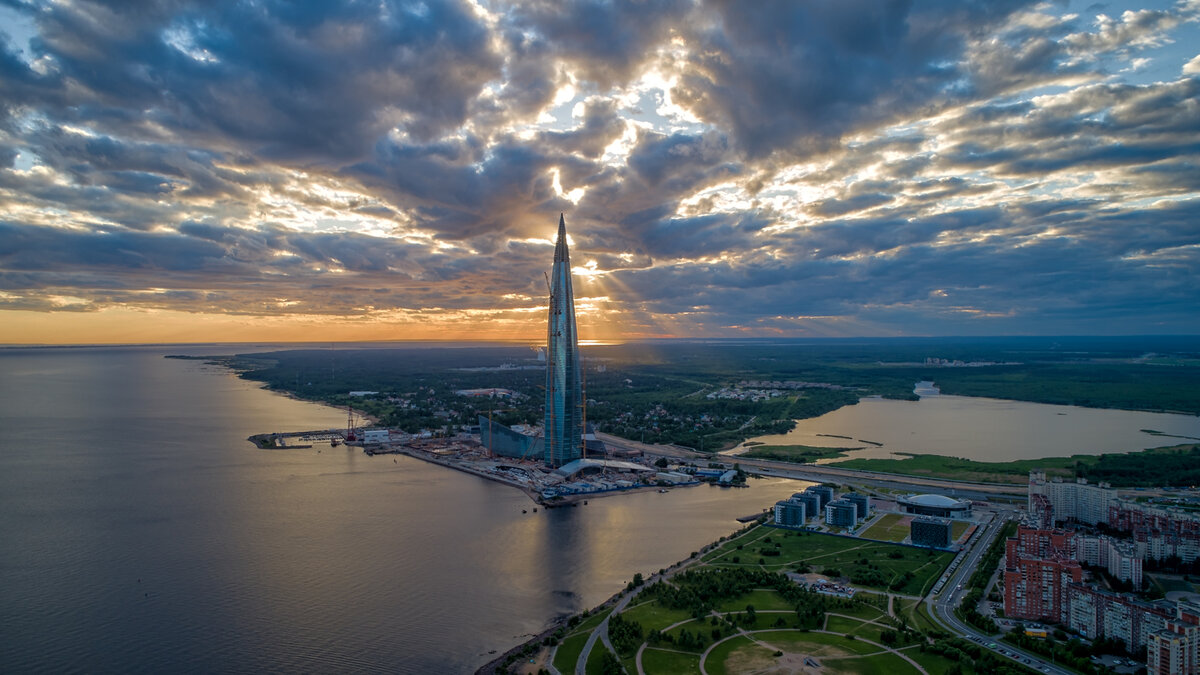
(931, 532)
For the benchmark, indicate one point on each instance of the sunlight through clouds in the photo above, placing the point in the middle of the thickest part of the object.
(724, 169)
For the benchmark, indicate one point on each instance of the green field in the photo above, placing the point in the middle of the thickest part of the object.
(1170, 465)
(568, 652)
(655, 660)
(891, 527)
(835, 653)
(958, 528)
(916, 614)
(938, 466)
(872, 564)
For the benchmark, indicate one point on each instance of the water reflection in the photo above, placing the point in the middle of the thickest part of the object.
(144, 533)
(984, 429)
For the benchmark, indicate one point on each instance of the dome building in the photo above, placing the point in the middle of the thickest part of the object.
(939, 506)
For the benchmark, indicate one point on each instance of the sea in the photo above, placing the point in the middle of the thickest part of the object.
(142, 532)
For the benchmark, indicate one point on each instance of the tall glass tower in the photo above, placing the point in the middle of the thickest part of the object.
(564, 396)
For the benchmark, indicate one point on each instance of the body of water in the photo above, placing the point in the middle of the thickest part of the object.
(984, 429)
(142, 532)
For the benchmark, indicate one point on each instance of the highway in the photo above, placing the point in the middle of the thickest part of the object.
(944, 602)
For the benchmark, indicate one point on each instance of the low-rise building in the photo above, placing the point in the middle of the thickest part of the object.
(931, 532)
(371, 436)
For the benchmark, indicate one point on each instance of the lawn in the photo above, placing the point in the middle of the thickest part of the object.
(695, 626)
(593, 663)
(762, 599)
(958, 528)
(867, 612)
(871, 564)
(834, 652)
(916, 614)
(1169, 582)
(729, 548)
(656, 661)
(652, 615)
(878, 664)
(568, 652)
(841, 624)
(891, 527)
(933, 663)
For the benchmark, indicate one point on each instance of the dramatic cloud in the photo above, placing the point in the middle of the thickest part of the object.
(396, 168)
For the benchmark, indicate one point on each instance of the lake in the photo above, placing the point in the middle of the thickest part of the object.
(984, 429)
(142, 532)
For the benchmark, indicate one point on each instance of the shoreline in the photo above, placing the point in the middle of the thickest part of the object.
(534, 495)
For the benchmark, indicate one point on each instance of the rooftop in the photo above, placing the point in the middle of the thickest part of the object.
(941, 501)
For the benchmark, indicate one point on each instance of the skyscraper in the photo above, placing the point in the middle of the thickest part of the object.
(564, 395)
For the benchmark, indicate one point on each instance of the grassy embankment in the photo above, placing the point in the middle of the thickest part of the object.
(804, 454)
(1172, 465)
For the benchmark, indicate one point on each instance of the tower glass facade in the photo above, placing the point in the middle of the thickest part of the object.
(564, 395)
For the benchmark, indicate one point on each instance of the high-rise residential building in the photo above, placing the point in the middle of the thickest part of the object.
(841, 513)
(823, 491)
(564, 395)
(811, 501)
(1093, 612)
(1036, 588)
(1079, 500)
(790, 513)
(1175, 650)
(1031, 542)
(860, 501)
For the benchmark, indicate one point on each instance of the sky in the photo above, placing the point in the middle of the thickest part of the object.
(176, 171)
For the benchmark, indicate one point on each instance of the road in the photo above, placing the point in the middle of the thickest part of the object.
(951, 595)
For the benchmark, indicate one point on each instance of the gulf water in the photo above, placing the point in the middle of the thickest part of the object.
(141, 532)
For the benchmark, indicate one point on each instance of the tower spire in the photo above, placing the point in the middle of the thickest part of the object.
(564, 423)
(561, 254)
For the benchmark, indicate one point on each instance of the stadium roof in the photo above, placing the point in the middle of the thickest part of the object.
(940, 501)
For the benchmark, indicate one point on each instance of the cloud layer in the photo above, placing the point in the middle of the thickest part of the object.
(773, 168)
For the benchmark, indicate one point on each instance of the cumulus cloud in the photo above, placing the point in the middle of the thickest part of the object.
(727, 167)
